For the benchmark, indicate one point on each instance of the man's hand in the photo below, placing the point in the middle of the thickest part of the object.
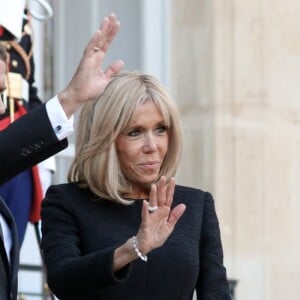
(89, 80)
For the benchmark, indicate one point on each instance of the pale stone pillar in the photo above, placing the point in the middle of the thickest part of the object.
(235, 69)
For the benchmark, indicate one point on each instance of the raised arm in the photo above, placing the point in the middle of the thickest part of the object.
(31, 138)
(90, 79)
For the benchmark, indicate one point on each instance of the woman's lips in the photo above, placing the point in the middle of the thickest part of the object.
(150, 165)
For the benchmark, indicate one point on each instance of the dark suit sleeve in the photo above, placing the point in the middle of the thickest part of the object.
(26, 142)
(14, 255)
(212, 282)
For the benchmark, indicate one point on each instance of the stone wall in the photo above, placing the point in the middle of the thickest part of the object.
(235, 72)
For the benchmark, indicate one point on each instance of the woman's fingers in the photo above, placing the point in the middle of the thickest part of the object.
(170, 192)
(145, 213)
(152, 207)
(175, 215)
(164, 192)
(161, 191)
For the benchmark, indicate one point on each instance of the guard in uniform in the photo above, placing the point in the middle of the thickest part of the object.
(23, 194)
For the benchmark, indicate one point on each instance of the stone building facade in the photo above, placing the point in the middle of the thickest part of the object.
(236, 74)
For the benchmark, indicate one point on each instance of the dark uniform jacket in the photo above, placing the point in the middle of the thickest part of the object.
(35, 143)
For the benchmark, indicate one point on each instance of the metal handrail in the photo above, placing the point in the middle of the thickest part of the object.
(44, 294)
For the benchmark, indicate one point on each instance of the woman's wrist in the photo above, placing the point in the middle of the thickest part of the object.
(137, 250)
(123, 255)
(127, 253)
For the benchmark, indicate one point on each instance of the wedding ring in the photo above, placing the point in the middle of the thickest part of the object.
(96, 49)
(152, 209)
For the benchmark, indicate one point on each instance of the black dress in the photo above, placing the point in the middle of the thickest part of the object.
(81, 232)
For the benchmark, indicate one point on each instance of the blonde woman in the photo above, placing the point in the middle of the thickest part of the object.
(121, 228)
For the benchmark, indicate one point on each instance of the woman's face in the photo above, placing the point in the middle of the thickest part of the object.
(143, 147)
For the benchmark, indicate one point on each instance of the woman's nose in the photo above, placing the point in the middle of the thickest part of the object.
(150, 143)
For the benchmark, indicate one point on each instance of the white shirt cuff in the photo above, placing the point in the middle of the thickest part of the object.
(61, 125)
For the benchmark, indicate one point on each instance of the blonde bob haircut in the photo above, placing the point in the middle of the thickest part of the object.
(96, 164)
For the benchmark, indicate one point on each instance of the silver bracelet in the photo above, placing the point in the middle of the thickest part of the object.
(137, 250)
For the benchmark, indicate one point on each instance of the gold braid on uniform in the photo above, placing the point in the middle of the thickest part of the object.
(26, 57)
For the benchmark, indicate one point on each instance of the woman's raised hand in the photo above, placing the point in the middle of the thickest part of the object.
(158, 220)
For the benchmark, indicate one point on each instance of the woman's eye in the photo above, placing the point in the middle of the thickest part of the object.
(161, 129)
(134, 132)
